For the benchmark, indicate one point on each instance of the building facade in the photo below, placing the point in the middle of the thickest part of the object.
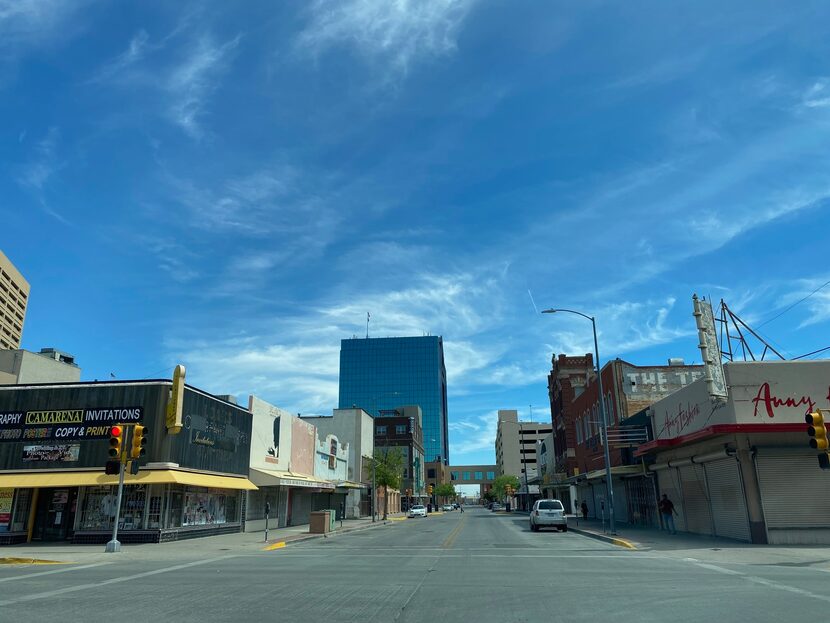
(741, 468)
(355, 428)
(381, 373)
(401, 429)
(54, 443)
(577, 418)
(22, 367)
(481, 475)
(282, 465)
(516, 443)
(14, 298)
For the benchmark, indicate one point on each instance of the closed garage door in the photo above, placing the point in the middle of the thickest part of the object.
(695, 499)
(793, 490)
(727, 498)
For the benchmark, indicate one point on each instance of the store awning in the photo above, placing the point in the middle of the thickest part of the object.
(617, 470)
(346, 484)
(276, 478)
(65, 478)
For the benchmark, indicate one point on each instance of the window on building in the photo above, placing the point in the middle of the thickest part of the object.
(431, 472)
(453, 475)
(491, 475)
(466, 475)
(479, 476)
(381, 430)
(400, 429)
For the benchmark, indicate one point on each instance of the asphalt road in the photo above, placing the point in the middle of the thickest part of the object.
(478, 567)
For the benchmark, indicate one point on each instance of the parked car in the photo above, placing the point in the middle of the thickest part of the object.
(447, 507)
(456, 506)
(417, 511)
(548, 513)
(496, 507)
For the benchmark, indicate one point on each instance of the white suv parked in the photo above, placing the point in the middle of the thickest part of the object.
(548, 513)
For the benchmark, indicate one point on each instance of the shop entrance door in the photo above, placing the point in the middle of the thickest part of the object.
(55, 515)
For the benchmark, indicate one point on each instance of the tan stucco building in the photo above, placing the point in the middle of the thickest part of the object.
(14, 297)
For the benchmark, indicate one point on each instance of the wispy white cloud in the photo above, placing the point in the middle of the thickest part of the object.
(395, 32)
(43, 162)
(29, 22)
(192, 81)
(479, 434)
(135, 52)
(818, 95)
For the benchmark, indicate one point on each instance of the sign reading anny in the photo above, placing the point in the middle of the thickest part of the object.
(64, 423)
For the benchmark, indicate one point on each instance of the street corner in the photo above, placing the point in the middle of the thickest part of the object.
(607, 538)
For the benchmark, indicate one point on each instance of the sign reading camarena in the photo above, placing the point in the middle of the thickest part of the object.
(64, 423)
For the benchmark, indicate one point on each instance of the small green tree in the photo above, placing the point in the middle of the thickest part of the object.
(489, 496)
(445, 490)
(500, 483)
(388, 466)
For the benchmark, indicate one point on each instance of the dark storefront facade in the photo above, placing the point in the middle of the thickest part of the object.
(54, 445)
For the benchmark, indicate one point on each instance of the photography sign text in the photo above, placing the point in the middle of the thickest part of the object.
(64, 423)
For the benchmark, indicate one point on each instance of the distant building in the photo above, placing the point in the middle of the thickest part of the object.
(14, 297)
(401, 428)
(516, 443)
(481, 475)
(382, 373)
(21, 367)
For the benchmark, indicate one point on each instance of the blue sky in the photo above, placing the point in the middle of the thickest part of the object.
(233, 186)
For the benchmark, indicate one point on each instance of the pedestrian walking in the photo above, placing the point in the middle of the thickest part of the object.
(584, 508)
(461, 507)
(667, 511)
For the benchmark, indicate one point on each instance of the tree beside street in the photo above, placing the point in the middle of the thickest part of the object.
(446, 490)
(500, 484)
(388, 466)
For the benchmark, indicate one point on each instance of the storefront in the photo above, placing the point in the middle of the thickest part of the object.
(741, 468)
(54, 445)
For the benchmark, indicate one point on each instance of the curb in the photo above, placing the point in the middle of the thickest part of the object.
(325, 535)
(604, 537)
(30, 561)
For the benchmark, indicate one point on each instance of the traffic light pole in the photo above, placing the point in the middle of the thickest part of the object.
(114, 545)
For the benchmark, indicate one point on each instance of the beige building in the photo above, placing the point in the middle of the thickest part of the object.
(516, 443)
(14, 296)
(22, 367)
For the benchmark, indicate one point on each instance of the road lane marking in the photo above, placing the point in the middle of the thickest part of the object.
(447, 544)
(762, 581)
(94, 585)
(40, 573)
(32, 561)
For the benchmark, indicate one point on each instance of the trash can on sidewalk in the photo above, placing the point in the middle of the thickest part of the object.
(319, 522)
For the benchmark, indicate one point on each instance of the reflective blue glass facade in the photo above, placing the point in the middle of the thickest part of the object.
(390, 372)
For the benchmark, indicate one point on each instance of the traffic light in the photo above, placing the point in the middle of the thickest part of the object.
(818, 437)
(116, 440)
(429, 489)
(817, 431)
(139, 441)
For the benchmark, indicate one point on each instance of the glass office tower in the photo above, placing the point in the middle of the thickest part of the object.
(385, 373)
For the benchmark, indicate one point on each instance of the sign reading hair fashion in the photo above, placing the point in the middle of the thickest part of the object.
(175, 405)
(709, 348)
(65, 424)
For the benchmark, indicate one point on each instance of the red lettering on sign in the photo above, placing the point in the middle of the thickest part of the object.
(771, 402)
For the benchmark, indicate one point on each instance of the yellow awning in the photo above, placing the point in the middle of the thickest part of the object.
(274, 478)
(347, 484)
(39, 480)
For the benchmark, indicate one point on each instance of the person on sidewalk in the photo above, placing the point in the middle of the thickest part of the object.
(584, 509)
(668, 513)
(461, 507)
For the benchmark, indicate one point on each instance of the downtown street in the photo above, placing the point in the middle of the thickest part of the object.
(477, 566)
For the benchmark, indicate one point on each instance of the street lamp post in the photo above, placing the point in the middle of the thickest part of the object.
(609, 484)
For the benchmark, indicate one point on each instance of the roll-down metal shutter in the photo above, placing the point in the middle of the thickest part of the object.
(668, 480)
(792, 487)
(726, 494)
(695, 499)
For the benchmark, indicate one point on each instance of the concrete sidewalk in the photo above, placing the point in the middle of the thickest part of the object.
(40, 553)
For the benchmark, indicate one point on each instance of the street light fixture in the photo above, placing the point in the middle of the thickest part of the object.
(608, 483)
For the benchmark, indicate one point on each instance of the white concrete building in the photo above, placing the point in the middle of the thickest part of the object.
(23, 367)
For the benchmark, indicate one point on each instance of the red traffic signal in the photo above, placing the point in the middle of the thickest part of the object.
(116, 440)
